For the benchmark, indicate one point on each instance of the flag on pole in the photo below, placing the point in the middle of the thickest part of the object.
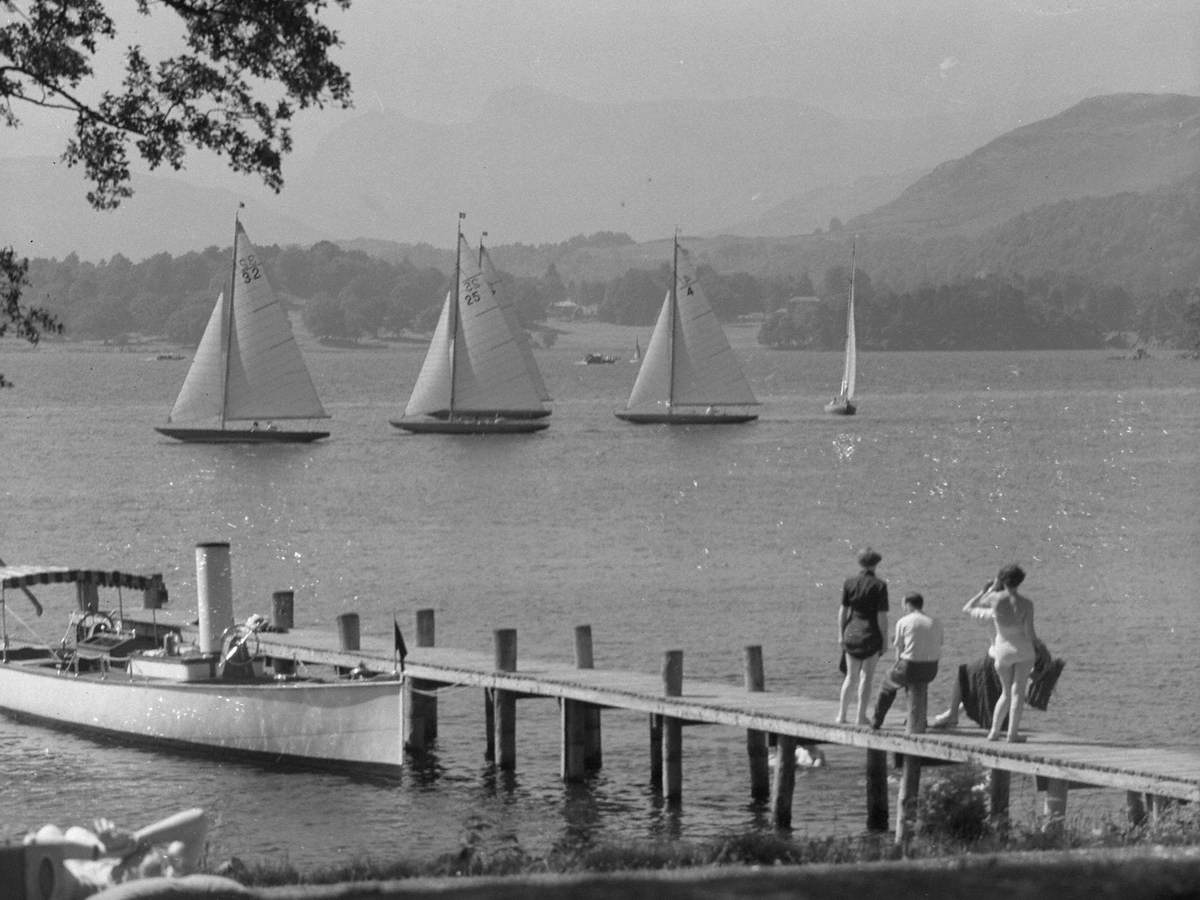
(401, 647)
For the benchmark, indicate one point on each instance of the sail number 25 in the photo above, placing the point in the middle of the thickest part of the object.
(251, 271)
(470, 290)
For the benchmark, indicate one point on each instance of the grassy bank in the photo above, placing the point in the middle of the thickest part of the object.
(949, 831)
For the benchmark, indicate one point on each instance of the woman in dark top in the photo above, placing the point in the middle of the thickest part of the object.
(862, 624)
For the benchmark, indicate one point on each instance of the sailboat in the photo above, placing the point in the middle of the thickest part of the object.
(474, 379)
(843, 404)
(247, 369)
(689, 370)
(637, 351)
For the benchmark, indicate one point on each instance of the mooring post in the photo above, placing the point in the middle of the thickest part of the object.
(783, 785)
(420, 701)
(999, 787)
(656, 751)
(592, 753)
(348, 635)
(756, 741)
(505, 643)
(877, 790)
(573, 722)
(1056, 805)
(489, 725)
(672, 728)
(1135, 808)
(282, 619)
(910, 784)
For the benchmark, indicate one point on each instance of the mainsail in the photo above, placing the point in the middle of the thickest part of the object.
(851, 363)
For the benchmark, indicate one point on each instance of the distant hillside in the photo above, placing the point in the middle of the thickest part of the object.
(815, 209)
(1097, 148)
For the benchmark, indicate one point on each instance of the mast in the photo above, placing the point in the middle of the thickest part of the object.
(453, 318)
(227, 322)
(674, 319)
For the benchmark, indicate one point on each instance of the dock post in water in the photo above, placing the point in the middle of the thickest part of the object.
(489, 725)
(420, 701)
(783, 785)
(999, 787)
(592, 751)
(1056, 805)
(877, 790)
(283, 619)
(756, 741)
(505, 702)
(656, 751)
(672, 729)
(910, 783)
(577, 719)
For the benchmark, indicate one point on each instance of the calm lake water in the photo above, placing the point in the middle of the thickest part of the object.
(1081, 467)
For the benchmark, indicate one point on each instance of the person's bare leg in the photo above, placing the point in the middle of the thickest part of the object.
(1020, 680)
(949, 718)
(864, 690)
(853, 667)
(1000, 710)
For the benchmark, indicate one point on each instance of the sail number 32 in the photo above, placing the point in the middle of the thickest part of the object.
(251, 271)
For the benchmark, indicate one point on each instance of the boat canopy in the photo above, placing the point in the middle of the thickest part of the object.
(25, 576)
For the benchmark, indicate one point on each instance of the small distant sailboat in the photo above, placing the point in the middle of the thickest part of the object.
(637, 351)
(843, 404)
(247, 369)
(689, 370)
(475, 379)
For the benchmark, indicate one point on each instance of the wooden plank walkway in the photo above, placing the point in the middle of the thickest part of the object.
(1157, 772)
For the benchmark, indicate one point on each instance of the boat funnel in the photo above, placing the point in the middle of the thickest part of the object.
(214, 594)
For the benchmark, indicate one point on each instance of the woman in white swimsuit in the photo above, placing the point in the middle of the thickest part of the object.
(1012, 649)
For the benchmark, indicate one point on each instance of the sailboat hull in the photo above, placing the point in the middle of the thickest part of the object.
(696, 418)
(242, 435)
(495, 413)
(470, 426)
(841, 408)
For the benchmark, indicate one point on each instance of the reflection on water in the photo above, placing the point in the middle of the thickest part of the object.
(704, 540)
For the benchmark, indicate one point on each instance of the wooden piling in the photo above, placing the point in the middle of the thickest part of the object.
(656, 751)
(877, 790)
(283, 605)
(910, 783)
(999, 788)
(1135, 808)
(756, 741)
(573, 715)
(1056, 805)
(783, 785)
(348, 632)
(672, 729)
(505, 702)
(489, 725)
(593, 756)
(420, 699)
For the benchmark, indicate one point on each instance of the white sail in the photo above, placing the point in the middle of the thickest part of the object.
(495, 283)
(850, 368)
(489, 371)
(203, 392)
(689, 361)
(431, 393)
(267, 375)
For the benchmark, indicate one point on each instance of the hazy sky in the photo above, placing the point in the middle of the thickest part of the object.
(440, 59)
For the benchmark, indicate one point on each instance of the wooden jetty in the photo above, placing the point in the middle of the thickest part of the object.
(1152, 778)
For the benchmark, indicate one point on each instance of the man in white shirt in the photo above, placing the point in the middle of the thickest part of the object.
(918, 647)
